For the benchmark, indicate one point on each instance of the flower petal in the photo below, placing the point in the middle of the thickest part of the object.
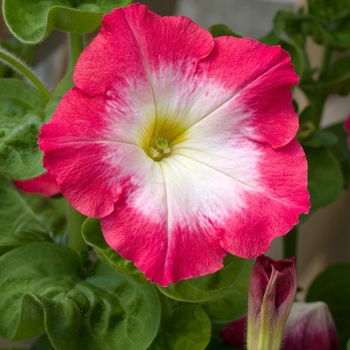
(93, 156)
(45, 184)
(124, 50)
(259, 80)
(152, 226)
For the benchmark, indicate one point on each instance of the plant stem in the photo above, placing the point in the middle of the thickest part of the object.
(290, 241)
(326, 59)
(76, 46)
(75, 223)
(16, 64)
(317, 102)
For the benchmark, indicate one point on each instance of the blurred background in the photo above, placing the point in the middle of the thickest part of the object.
(325, 237)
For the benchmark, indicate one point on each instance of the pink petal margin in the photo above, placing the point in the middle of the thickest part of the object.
(238, 180)
(45, 184)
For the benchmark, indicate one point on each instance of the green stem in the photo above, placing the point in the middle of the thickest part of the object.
(75, 223)
(325, 65)
(19, 66)
(76, 46)
(317, 102)
(290, 241)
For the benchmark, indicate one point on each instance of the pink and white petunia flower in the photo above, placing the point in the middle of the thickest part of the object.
(182, 144)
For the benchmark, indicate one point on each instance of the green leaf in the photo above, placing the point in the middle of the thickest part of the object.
(209, 286)
(187, 329)
(332, 32)
(341, 150)
(217, 30)
(232, 304)
(27, 218)
(274, 36)
(348, 345)
(328, 9)
(93, 236)
(31, 21)
(320, 138)
(43, 343)
(325, 179)
(21, 116)
(333, 287)
(43, 288)
(339, 80)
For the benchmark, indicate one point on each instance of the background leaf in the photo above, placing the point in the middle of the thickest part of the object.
(217, 30)
(43, 288)
(188, 328)
(232, 304)
(341, 150)
(21, 115)
(28, 218)
(43, 343)
(93, 236)
(333, 287)
(30, 21)
(209, 286)
(325, 179)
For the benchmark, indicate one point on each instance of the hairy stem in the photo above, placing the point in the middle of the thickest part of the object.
(17, 65)
(76, 46)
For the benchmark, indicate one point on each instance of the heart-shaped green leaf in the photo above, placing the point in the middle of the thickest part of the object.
(43, 288)
(209, 286)
(21, 115)
(31, 21)
(93, 236)
(27, 218)
(232, 304)
(188, 328)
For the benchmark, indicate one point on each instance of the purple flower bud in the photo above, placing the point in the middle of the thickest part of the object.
(310, 326)
(271, 293)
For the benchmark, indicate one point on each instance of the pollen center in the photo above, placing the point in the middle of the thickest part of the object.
(162, 143)
(160, 136)
(160, 150)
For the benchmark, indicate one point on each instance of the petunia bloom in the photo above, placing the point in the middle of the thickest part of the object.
(182, 144)
(272, 288)
(44, 184)
(310, 326)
